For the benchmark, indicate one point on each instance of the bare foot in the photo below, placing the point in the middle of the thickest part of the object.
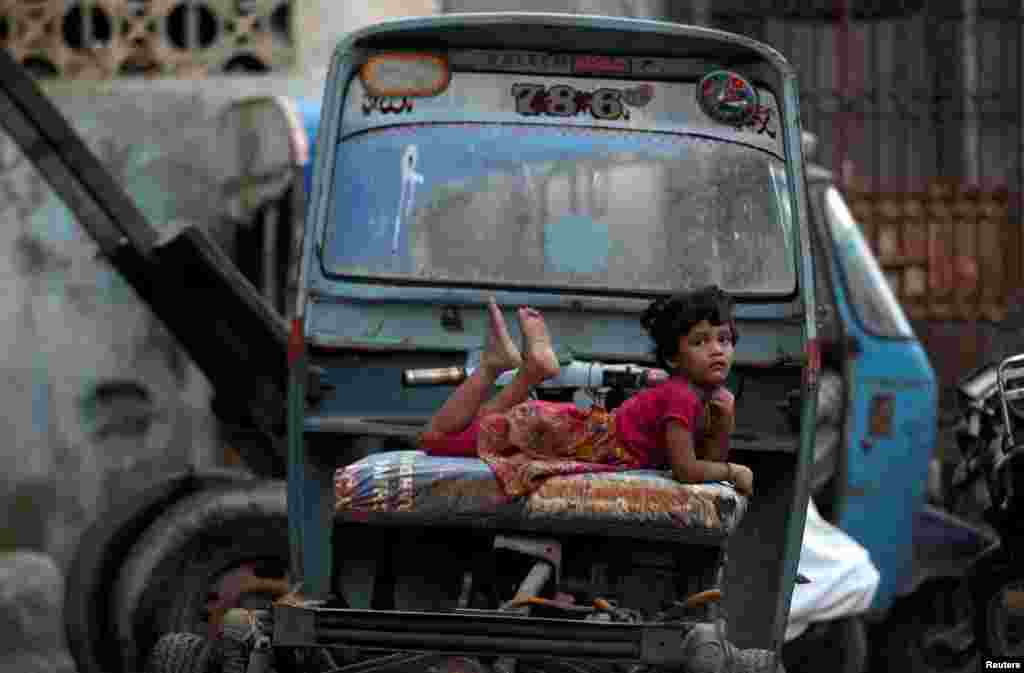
(540, 363)
(500, 352)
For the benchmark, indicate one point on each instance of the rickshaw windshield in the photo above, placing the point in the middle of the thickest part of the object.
(560, 206)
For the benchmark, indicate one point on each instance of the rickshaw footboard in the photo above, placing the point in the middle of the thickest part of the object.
(484, 634)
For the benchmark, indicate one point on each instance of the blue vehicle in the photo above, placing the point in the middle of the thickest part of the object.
(878, 419)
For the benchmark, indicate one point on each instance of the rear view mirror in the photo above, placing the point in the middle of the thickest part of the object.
(260, 143)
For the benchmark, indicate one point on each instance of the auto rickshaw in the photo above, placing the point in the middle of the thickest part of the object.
(580, 165)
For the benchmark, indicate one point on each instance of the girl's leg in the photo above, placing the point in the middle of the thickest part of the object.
(500, 354)
(539, 365)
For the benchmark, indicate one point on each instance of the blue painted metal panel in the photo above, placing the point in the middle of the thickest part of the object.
(416, 325)
(886, 472)
(886, 476)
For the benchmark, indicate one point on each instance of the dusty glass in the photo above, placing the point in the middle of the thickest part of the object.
(560, 206)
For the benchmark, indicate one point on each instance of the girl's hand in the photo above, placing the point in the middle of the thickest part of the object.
(721, 412)
(743, 479)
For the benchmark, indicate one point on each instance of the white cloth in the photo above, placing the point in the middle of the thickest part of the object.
(843, 579)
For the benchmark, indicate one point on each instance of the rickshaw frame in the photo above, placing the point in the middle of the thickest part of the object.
(309, 495)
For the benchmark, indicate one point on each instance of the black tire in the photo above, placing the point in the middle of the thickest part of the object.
(96, 565)
(177, 562)
(839, 646)
(897, 642)
(757, 661)
(986, 593)
(180, 653)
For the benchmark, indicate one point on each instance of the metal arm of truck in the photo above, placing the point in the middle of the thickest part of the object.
(235, 338)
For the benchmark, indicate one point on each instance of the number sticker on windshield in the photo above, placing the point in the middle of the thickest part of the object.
(563, 100)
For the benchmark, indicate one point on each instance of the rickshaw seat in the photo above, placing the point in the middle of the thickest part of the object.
(413, 488)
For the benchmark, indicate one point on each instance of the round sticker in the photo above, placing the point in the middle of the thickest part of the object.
(727, 97)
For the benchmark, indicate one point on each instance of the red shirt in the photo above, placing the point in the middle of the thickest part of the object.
(640, 420)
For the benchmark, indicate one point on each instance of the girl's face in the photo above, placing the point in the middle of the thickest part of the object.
(705, 354)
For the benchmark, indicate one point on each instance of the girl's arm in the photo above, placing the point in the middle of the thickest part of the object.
(683, 460)
(717, 447)
(722, 419)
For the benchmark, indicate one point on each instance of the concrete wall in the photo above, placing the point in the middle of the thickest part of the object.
(98, 398)
(72, 326)
(323, 22)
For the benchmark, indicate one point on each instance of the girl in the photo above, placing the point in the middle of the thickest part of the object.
(683, 423)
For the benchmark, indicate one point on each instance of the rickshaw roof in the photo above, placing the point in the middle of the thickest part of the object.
(544, 30)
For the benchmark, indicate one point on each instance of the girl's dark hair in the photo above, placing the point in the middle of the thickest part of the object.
(669, 318)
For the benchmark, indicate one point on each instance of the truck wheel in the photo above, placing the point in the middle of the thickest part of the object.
(88, 624)
(180, 653)
(218, 549)
(839, 645)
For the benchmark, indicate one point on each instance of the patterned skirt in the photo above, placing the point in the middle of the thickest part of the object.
(537, 439)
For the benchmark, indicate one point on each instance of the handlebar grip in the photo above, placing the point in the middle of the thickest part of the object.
(653, 377)
(631, 377)
(441, 376)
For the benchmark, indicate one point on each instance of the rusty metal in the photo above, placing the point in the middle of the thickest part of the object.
(484, 632)
(703, 598)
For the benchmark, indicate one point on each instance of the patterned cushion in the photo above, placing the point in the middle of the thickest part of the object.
(410, 487)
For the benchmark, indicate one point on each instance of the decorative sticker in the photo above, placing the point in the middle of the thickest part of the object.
(407, 195)
(387, 105)
(730, 99)
(563, 100)
(726, 97)
(512, 61)
(760, 120)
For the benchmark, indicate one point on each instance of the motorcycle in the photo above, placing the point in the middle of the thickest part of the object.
(990, 474)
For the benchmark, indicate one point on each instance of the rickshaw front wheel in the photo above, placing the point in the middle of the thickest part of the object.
(181, 653)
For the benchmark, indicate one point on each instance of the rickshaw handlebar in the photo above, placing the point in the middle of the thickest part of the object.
(575, 374)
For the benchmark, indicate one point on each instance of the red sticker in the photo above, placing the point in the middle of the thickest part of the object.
(607, 65)
(813, 365)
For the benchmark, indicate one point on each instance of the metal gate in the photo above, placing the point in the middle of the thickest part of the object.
(917, 106)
